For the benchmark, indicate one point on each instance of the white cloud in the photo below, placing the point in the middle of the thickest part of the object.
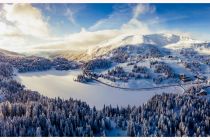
(70, 15)
(141, 9)
(20, 25)
(8, 30)
(134, 24)
(79, 41)
(25, 19)
(85, 39)
(120, 15)
(99, 23)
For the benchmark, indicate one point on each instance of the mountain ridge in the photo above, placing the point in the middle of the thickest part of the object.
(163, 40)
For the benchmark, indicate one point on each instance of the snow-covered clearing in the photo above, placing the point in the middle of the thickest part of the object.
(61, 83)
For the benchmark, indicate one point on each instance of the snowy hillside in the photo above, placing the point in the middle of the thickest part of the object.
(166, 41)
(8, 53)
(147, 61)
(137, 40)
(161, 39)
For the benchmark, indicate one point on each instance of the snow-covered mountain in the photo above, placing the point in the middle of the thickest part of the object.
(162, 40)
(153, 39)
(169, 41)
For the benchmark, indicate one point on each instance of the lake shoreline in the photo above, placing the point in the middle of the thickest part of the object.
(53, 83)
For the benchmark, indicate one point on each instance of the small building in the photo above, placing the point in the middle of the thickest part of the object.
(185, 78)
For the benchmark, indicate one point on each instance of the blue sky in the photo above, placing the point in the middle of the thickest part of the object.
(84, 15)
(193, 18)
(29, 25)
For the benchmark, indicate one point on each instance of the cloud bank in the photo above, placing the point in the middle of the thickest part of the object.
(24, 19)
(24, 27)
(89, 37)
(20, 24)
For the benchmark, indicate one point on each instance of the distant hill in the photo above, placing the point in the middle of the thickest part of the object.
(9, 53)
(166, 41)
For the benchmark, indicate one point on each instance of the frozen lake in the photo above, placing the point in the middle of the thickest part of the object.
(54, 83)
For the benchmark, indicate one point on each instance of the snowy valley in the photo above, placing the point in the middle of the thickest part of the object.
(131, 85)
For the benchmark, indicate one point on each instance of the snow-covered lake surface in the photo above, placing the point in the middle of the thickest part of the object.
(54, 83)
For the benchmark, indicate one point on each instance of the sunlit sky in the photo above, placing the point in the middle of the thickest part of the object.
(24, 26)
